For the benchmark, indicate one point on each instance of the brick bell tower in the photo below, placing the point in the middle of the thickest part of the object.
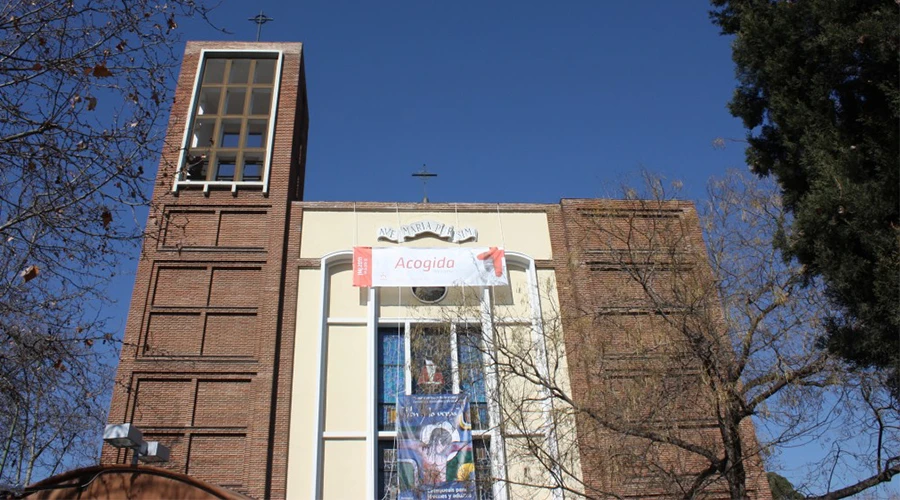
(204, 361)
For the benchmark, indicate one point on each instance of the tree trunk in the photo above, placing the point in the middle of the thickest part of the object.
(735, 473)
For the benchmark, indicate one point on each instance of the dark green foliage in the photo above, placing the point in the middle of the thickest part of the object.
(781, 488)
(818, 94)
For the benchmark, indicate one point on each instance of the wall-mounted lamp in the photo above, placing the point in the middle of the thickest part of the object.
(129, 436)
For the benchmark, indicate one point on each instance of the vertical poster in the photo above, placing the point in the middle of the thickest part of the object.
(434, 448)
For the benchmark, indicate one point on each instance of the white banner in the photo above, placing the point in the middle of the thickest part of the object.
(404, 266)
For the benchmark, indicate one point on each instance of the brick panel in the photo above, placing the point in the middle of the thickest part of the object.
(181, 286)
(163, 403)
(243, 229)
(218, 458)
(234, 287)
(621, 332)
(190, 228)
(173, 334)
(221, 403)
(177, 444)
(230, 335)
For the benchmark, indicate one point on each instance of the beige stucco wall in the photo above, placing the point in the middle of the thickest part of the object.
(350, 302)
(346, 394)
(304, 391)
(325, 232)
(346, 398)
(343, 461)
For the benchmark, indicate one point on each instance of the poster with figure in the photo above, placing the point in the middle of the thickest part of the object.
(434, 448)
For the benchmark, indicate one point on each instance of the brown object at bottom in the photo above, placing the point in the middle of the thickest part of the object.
(125, 482)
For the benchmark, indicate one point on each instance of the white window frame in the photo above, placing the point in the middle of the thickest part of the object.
(273, 115)
(372, 321)
(406, 327)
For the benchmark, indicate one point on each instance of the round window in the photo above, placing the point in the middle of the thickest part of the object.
(429, 294)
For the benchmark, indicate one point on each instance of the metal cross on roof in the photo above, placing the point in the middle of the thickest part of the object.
(424, 175)
(260, 19)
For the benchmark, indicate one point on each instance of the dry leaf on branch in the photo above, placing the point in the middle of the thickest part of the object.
(106, 217)
(30, 273)
(101, 71)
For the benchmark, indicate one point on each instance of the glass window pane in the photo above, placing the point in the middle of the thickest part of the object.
(203, 133)
(392, 375)
(195, 166)
(225, 168)
(208, 103)
(256, 134)
(431, 361)
(230, 135)
(483, 474)
(240, 71)
(214, 71)
(234, 101)
(253, 168)
(471, 364)
(265, 71)
(260, 101)
(388, 479)
(479, 416)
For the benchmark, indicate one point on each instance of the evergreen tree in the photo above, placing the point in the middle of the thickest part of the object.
(782, 489)
(818, 94)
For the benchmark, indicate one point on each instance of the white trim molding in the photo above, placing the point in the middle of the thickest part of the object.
(270, 139)
(322, 348)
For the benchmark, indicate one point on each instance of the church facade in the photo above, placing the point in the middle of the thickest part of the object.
(258, 353)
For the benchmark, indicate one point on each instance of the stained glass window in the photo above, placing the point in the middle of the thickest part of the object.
(392, 375)
(471, 374)
(432, 369)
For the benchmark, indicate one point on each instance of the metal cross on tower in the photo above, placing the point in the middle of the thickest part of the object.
(260, 19)
(424, 175)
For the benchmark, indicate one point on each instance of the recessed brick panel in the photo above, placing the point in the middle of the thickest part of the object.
(243, 229)
(164, 403)
(181, 286)
(173, 334)
(177, 444)
(637, 334)
(221, 403)
(230, 335)
(217, 458)
(235, 287)
(194, 228)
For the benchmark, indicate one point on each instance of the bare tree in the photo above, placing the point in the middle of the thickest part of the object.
(83, 96)
(661, 348)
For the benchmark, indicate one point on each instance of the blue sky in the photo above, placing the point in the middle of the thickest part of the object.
(507, 101)
(524, 101)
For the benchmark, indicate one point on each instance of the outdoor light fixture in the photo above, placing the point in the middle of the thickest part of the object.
(129, 436)
(156, 453)
(123, 436)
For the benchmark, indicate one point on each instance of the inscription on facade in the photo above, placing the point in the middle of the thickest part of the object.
(428, 227)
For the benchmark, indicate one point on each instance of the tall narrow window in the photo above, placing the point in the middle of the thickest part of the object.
(392, 375)
(432, 362)
(471, 374)
(443, 359)
(228, 139)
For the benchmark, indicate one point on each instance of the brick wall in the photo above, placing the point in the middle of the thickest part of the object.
(203, 348)
(630, 367)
